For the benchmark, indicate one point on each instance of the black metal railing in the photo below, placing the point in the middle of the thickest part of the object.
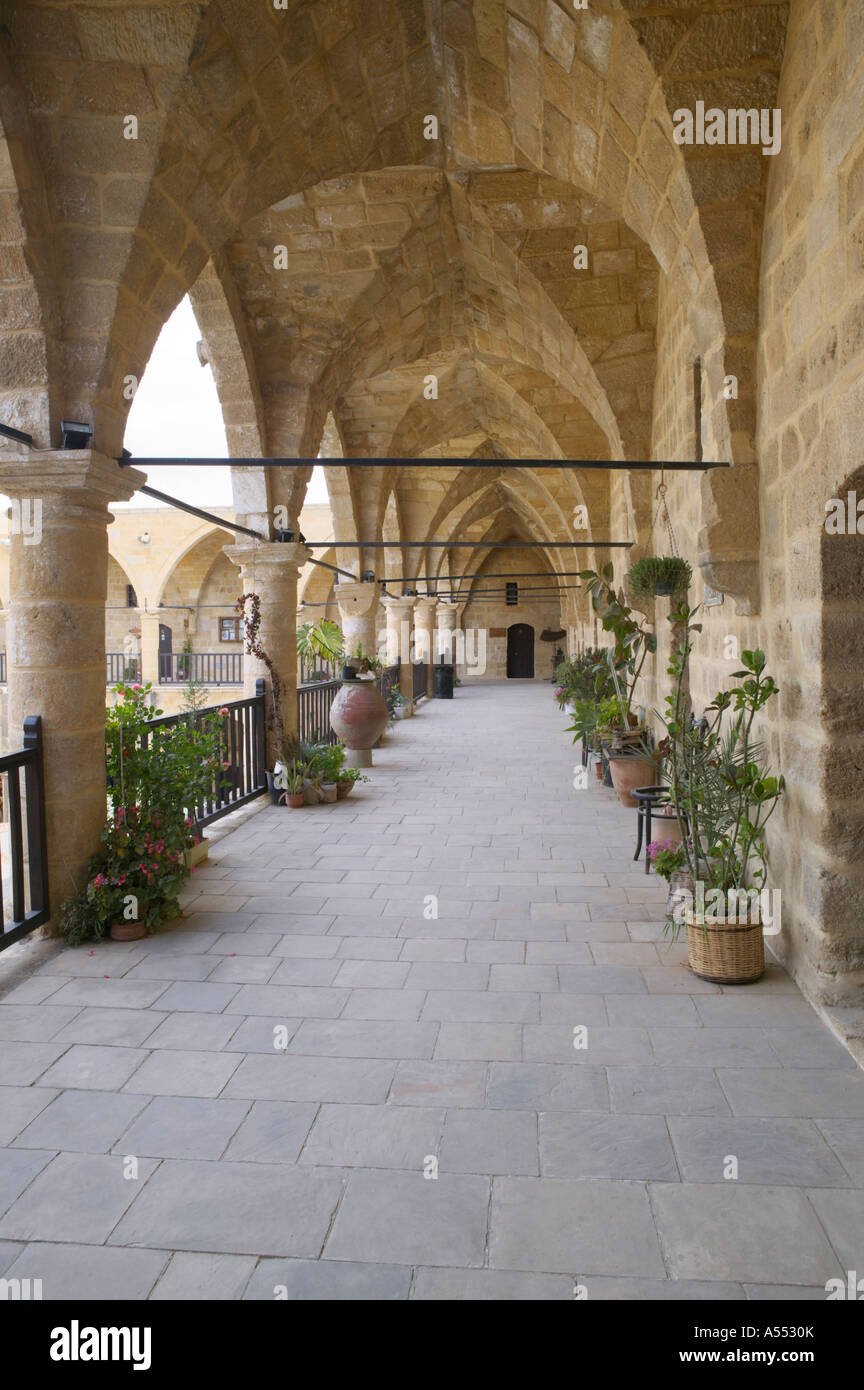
(314, 702)
(387, 681)
(23, 847)
(120, 667)
(420, 673)
(2, 668)
(243, 749)
(211, 668)
(310, 671)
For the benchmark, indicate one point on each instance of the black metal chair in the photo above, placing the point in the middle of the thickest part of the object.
(649, 799)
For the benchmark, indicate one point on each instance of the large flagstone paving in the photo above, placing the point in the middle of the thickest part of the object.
(248, 1105)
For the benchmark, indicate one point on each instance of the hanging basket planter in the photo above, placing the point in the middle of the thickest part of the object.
(656, 575)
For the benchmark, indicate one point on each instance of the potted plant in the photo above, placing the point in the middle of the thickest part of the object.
(363, 663)
(289, 780)
(635, 764)
(322, 639)
(331, 758)
(585, 677)
(172, 767)
(654, 575)
(632, 643)
(398, 704)
(724, 798)
(133, 882)
(668, 859)
(346, 781)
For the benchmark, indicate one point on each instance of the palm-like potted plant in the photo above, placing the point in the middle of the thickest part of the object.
(724, 798)
(322, 641)
(632, 643)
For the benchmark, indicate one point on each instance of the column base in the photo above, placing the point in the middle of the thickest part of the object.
(358, 757)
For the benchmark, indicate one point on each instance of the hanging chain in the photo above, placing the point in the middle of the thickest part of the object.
(662, 516)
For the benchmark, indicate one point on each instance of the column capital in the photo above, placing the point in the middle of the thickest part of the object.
(401, 606)
(448, 614)
(425, 609)
(357, 598)
(269, 555)
(47, 472)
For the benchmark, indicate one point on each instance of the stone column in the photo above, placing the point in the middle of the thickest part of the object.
(150, 647)
(424, 634)
(270, 569)
(56, 642)
(358, 604)
(447, 616)
(400, 613)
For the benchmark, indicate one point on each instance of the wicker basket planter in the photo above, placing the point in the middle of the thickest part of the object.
(726, 953)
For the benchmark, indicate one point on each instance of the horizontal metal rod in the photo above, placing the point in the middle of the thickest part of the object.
(9, 433)
(525, 589)
(448, 578)
(322, 564)
(230, 525)
(197, 511)
(649, 465)
(471, 545)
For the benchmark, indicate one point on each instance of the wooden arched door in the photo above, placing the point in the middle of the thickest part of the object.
(520, 652)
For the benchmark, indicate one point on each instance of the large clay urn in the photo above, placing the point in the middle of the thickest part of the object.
(358, 716)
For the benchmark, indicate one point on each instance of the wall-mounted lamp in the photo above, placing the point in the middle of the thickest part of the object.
(75, 434)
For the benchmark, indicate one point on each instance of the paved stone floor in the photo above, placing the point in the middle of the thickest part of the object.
(284, 1065)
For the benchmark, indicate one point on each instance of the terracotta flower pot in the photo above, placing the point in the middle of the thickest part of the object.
(628, 773)
(358, 717)
(343, 789)
(665, 827)
(294, 799)
(127, 931)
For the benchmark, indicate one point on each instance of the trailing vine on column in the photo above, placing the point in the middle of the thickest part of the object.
(248, 607)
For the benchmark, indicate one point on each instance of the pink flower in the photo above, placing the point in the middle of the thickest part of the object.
(223, 711)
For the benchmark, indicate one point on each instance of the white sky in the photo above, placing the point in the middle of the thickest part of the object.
(176, 414)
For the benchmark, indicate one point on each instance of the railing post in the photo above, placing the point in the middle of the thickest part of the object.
(260, 729)
(37, 841)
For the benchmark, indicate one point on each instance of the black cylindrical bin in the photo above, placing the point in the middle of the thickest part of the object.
(442, 688)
